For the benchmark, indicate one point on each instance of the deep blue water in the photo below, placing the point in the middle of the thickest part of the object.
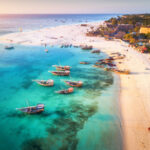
(13, 23)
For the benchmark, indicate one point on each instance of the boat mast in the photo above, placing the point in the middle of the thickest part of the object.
(28, 105)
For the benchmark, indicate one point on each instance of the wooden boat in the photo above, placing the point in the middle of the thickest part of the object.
(74, 83)
(98, 66)
(111, 65)
(68, 91)
(118, 57)
(61, 73)
(98, 63)
(95, 51)
(121, 71)
(9, 47)
(107, 59)
(117, 71)
(44, 82)
(104, 63)
(86, 47)
(116, 53)
(108, 63)
(32, 109)
(84, 62)
(62, 68)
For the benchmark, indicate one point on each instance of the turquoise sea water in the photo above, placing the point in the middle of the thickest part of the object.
(87, 119)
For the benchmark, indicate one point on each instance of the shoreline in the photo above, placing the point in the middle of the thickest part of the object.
(50, 35)
(134, 88)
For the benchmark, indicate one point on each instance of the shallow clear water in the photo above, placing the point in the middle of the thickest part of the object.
(84, 120)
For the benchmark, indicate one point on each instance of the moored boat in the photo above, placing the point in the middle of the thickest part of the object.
(126, 72)
(65, 91)
(86, 47)
(98, 66)
(32, 109)
(60, 73)
(44, 82)
(74, 83)
(117, 71)
(95, 51)
(105, 61)
(9, 47)
(84, 62)
(62, 68)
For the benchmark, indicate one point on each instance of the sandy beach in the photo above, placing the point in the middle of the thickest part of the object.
(134, 88)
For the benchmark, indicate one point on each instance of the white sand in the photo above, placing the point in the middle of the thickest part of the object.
(134, 88)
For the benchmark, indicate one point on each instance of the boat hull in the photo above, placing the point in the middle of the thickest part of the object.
(73, 84)
(32, 109)
(45, 82)
(60, 73)
(62, 68)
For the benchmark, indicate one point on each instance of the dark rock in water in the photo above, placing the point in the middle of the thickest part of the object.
(26, 84)
(35, 144)
(52, 130)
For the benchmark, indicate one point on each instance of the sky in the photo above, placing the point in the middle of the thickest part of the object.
(73, 6)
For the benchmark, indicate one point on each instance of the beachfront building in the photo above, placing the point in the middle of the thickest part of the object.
(145, 30)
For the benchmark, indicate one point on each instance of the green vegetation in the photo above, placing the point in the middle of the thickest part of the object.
(143, 19)
(134, 29)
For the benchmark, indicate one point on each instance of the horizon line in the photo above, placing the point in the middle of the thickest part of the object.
(70, 13)
(73, 13)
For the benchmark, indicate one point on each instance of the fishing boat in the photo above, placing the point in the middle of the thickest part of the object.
(84, 62)
(32, 109)
(86, 47)
(65, 91)
(107, 59)
(60, 73)
(95, 51)
(9, 47)
(44, 82)
(98, 66)
(74, 83)
(117, 71)
(111, 65)
(62, 68)
(121, 71)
